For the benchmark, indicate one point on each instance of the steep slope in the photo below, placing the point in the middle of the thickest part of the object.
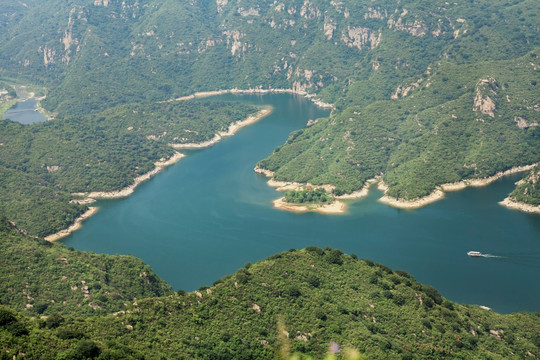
(528, 189)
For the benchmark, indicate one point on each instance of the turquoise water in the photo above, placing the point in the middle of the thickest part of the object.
(25, 112)
(210, 213)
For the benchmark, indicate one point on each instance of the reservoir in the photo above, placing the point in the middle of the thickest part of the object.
(209, 214)
(25, 112)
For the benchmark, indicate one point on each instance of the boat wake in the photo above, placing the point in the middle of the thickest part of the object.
(531, 259)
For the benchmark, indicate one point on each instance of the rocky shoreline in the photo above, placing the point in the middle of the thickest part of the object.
(436, 195)
(261, 91)
(336, 207)
(75, 226)
(91, 197)
(516, 205)
(233, 128)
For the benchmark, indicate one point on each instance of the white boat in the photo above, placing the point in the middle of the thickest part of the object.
(475, 253)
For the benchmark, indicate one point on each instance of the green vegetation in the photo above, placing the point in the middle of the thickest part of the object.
(42, 278)
(528, 190)
(403, 77)
(424, 92)
(7, 96)
(433, 136)
(5, 106)
(307, 195)
(44, 163)
(315, 297)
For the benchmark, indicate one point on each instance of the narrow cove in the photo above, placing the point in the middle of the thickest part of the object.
(209, 214)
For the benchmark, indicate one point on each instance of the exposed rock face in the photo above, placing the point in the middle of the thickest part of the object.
(415, 28)
(329, 29)
(233, 41)
(403, 91)
(48, 55)
(249, 12)
(375, 14)
(482, 102)
(221, 4)
(68, 39)
(309, 11)
(102, 2)
(522, 123)
(360, 37)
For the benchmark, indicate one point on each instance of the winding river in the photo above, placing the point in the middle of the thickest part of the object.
(207, 215)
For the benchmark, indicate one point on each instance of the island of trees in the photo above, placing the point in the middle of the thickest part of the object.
(308, 195)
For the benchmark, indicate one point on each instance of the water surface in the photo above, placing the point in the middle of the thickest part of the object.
(25, 112)
(210, 213)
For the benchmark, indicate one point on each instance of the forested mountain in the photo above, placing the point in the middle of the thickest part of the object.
(423, 93)
(75, 305)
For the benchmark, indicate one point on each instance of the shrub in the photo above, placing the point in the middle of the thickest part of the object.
(313, 281)
(54, 320)
(335, 257)
(69, 334)
(87, 349)
(403, 274)
(293, 291)
(6, 317)
(369, 262)
(40, 308)
(432, 293)
(17, 329)
(315, 250)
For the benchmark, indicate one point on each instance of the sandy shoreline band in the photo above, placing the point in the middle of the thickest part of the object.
(89, 198)
(516, 205)
(233, 128)
(290, 185)
(336, 207)
(438, 193)
(159, 165)
(75, 226)
(203, 94)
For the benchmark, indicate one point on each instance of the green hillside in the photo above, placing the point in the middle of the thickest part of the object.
(528, 190)
(404, 79)
(314, 296)
(456, 122)
(44, 163)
